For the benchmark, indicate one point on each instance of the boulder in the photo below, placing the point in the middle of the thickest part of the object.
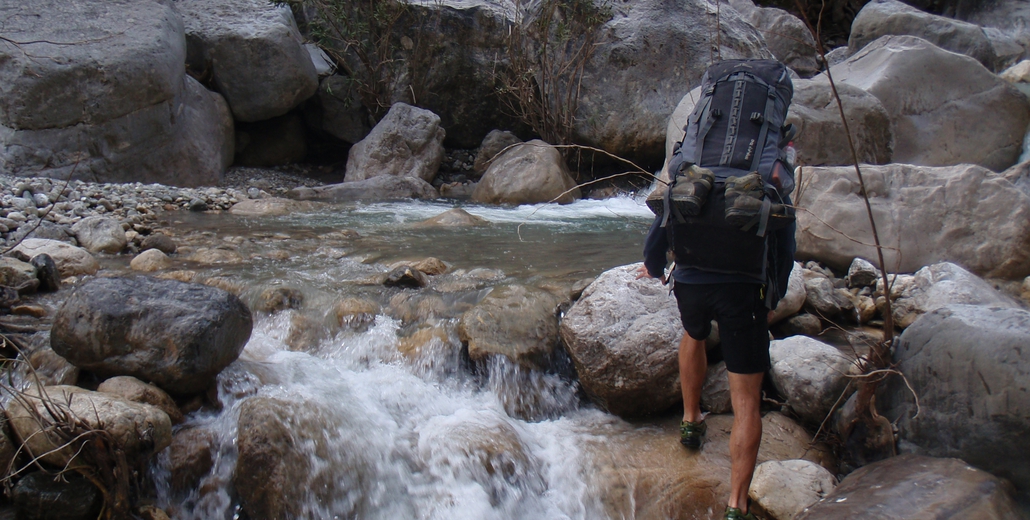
(936, 100)
(113, 105)
(799, 324)
(647, 54)
(15, 273)
(139, 430)
(968, 364)
(824, 299)
(532, 173)
(715, 392)
(786, 35)
(176, 335)
(911, 486)
(270, 207)
(862, 273)
(784, 488)
(408, 142)
(515, 321)
(150, 260)
(252, 52)
(336, 109)
(916, 212)
(794, 300)
(273, 142)
(886, 17)
(276, 299)
(938, 285)
(379, 188)
(70, 260)
(190, 458)
(132, 389)
(42, 496)
(810, 375)
(406, 276)
(494, 142)
(452, 218)
(100, 235)
(623, 337)
(354, 312)
(821, 139)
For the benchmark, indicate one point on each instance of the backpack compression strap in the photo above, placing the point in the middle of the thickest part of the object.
(770, 105)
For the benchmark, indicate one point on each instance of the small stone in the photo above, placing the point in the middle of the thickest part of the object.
(277, 299)
(150, 260)
(406, 276)
(197, 205)
(36, 311)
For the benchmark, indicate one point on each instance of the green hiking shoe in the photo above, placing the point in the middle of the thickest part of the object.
(692, 434)
(733, 513)
(691, 192)
(744, 199)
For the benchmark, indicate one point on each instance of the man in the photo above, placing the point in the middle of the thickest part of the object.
(737, 302)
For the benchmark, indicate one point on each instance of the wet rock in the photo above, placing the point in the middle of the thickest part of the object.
(412, 307)
(406, 276)
(275, 299)
(715, 393)
(923, 225)
(908, 486)
(270, 207)
(623, 336)
(149, 512)
(305, 333)
(158, 241)
(453, 218)
(28, 309)
(784, 488)
(379, 188)
(493, 144)
(41, 496)
(15, 273)
(190, 457)
(431, 266)
(514, 321)
(50, 368)
(527, 174)
(176, 335)
(968, 365)
(150, 260)
(407, 142)
(891, 17)
(137, 391)
(355, 312)
(915, 79)
(794, 300)
(70, 260)
(140, 430)
(423, 341)
(937, 285)
(252, 52)
(217, 255)
(46, 272)
(810, 375)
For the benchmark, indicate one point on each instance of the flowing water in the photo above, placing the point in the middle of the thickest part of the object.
(391, 433)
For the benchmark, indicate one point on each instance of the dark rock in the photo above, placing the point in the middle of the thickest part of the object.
(274, 142)
(968, 364)
(159, 241)
(190, 457)
(47, 273)
(909, 486)
(406, 276)
(176, 335)
(198, 205)
(39, 496)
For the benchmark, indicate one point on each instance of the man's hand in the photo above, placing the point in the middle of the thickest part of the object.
(642, 273)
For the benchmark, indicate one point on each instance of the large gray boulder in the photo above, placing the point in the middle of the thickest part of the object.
(515, 321)
(821, 140)
(648, 54)
(963, 214)
(530, 173)
(110, 103)
(138, 430)
(885, 17)
(910, 486)
(176, 335)
(787, 36)
(969, 366)
(252, 52)
(784, 488)
(936, 286)
(937, 101)
(408, 142)
(623, 337)
(810, 375)
(379, 188)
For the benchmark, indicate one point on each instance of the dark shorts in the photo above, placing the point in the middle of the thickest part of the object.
(740, 311)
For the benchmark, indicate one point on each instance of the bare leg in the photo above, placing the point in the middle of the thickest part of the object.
(693, 367)
(746, 394)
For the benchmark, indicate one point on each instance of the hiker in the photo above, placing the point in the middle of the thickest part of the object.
(726, 216)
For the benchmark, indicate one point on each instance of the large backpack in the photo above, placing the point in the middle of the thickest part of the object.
(736, 127)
